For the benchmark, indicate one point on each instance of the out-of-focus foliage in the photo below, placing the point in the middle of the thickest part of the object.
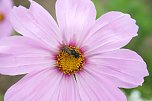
(141, 11)
(1, 97)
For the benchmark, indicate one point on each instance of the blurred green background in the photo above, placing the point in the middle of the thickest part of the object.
(141, 10)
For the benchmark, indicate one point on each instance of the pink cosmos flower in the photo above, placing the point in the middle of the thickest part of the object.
(78, 59)
(5, 26)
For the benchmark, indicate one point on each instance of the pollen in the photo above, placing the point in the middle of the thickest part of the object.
(1, 17)
(70, 60)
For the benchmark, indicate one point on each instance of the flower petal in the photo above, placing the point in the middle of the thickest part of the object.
(36, 23)
(6, 29)
(111, 31)
(20, 55)
(92, 88)
(46, 85)
(75, 18)
(5, 26)
(7, 4)
(124, 67)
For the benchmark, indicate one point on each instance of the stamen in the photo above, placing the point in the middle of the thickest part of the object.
(70, 60)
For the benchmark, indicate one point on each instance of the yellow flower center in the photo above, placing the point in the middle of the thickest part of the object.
(1, 17)
(70, 60)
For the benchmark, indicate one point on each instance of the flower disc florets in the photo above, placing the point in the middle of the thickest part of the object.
(70, 59)
(1, 17)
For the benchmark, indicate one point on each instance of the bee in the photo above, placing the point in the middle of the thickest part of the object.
(70, 51)
(74, 53)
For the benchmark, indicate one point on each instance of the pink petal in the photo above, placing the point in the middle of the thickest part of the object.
(5, 29)
(111, 31)
(7, 4)
(125, 68)
(20, 55)
(36, 23)
(46, 85)
(93, 88)
(75, 18)
(5, 26)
